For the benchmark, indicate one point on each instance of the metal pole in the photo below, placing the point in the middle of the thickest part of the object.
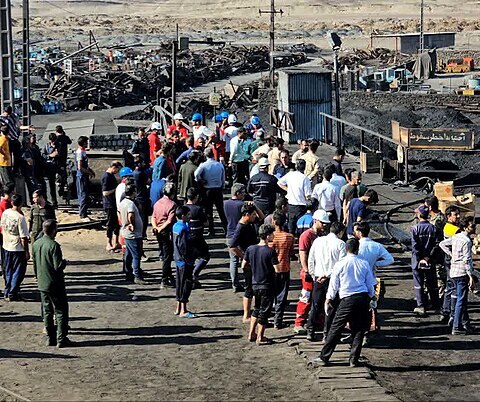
(272, 43)
(174, 68)
(337, 101)
(26, 65)
(422, 44)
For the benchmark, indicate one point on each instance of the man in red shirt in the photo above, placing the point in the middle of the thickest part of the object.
(178, 126)
(163, 218)
(305, 242)
(154, 141)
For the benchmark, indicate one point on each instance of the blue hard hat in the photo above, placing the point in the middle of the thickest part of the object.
(217, 118)
(197, 117)
(126, 171)
(224, 115)
(255, 120)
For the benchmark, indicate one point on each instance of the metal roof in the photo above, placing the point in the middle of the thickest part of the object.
(412, 34)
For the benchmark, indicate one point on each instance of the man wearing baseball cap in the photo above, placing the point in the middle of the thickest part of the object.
(326, 251)
(263, 188)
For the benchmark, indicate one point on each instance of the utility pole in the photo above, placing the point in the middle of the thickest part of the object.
(26, 64)
(422, 43)
(272, 13)
(174, 68)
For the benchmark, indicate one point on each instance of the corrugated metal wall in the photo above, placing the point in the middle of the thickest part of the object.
(306, 93)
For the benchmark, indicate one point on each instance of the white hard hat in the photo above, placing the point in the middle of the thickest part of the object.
(263, 162)
(156, 126)
(177, 116)
(321, 215)
(232, 119)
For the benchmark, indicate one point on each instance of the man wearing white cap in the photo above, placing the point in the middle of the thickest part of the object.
(326, 251)
(263, 188)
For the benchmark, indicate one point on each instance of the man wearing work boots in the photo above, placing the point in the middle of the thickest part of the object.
(49, 265)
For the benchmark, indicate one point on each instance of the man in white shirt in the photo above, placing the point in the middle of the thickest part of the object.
(229, 133)
(15, 248)
(353, 281)
(132, 232)
(328, 196)
(374, 253)
(326, 251)
(299, 189)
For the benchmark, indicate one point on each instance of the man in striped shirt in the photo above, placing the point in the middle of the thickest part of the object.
(283, 243)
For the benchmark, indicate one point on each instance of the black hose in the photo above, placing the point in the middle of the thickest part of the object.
(387, 220)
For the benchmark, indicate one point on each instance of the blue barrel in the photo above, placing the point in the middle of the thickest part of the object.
(51, 107)
(58, 107)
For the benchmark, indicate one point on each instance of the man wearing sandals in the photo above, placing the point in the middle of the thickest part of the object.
(262, 261)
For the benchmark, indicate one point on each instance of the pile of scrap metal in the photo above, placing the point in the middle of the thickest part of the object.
(112, 86)
(379, 57)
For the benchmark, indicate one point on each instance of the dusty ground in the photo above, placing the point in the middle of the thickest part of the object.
(138, 350)
(307, 20)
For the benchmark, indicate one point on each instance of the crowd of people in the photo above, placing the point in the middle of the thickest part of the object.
(174, 181)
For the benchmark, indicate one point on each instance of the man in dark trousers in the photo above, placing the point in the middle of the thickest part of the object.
(211, 176)
(263, 187)
(423, 267)
(353, 281)
(49, 265)
(198, 219)
(61, 144)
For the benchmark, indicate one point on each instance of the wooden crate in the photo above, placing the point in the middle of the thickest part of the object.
(370, 162)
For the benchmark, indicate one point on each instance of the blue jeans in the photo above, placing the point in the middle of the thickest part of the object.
(14, 268)
(133, 253)
(449, 297)
(461, 306)
(234, 265)
(82, 195)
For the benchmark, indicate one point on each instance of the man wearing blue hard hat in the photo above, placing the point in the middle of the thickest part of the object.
(253, 126)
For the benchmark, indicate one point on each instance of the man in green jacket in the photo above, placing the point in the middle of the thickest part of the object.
(49, 265)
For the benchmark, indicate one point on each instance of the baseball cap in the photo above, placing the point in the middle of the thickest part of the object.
(263, 162)
(423, 211)
(321, 215)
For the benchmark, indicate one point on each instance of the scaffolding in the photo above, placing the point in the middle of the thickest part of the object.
(6, 48)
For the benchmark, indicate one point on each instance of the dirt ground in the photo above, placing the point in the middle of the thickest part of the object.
(138, 350)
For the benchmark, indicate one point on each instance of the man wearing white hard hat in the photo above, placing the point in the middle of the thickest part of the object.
(178, 126)
(154, 141)
(326, 251)
(230, 132)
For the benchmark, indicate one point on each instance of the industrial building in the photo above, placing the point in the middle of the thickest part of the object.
(410, 42)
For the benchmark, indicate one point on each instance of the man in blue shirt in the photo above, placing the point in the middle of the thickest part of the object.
(182, 253)
(211, 176)
(357, 209)
(353, 281)
(305, 222)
